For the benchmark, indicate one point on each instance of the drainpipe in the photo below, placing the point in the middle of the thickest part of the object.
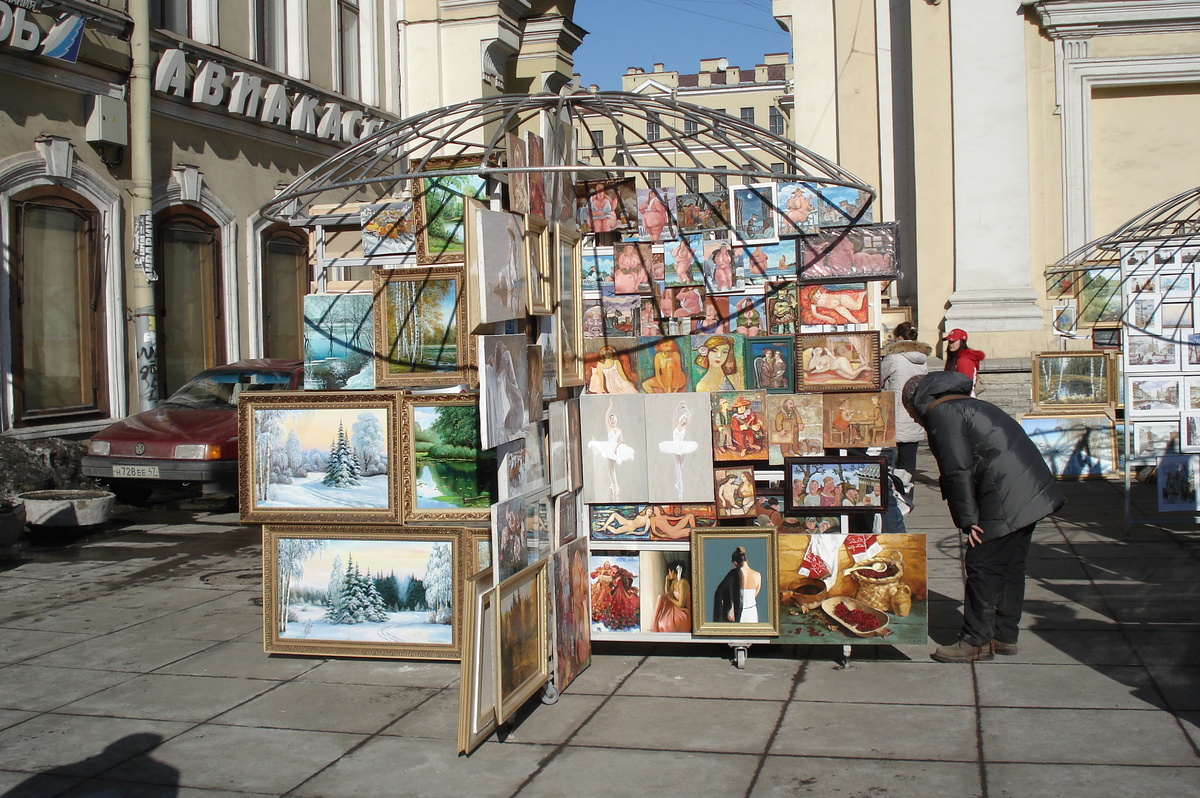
(142, 274)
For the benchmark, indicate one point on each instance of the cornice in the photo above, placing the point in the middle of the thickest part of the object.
(1062, 19)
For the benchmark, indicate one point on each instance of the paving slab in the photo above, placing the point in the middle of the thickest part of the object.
(1070, 647)
(40, 785)
(1066, 686)
(877, 731)
(709, 677)
(787, 777)
(1179, 684)
(77, 745)
(185, 698)
(640, 772)
(1166, 645)
(1021, 781)
(22, 644)
(126, 650)
(384, 673)
(1084, 736)
(11, 717)
(245, 660)
(104, 788)
(203, 623)
(555, 724)
(436, 718)
(926, 682)
(607, 670)
(681, 724)
(352, 708)
(39, 688)
(427, 769)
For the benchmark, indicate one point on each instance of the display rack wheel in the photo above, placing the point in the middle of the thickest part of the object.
(739, 656)
(550, 693)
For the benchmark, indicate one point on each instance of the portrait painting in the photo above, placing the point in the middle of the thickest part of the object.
(635, 267)
(388, 228)
(798, 212)
(339, 333)
(440, 205)
(666, 592)
(748, 314)
(522, 644)
(318, 457)
(718, 363)
(678, 448)
(850, 254)
(421, 332)
(834, 304)
(1177, 483)
(1074, 446)
(739, 426)
(683, 261)
(734, 584)
(333, 593)
(850, 484)
(1153, 396)
(717, 265)
(1078, 380)
(1148, 353)
(445, 473)
(614, 584)
(853, 589)
(837, 362)
(735, 492)
(500, 265)
(656, 214)
(702, 212)
(613, 432)
(1153, 439)
(782, 308)
(761, 263)
(795, 426)
(572, 617)
(610, 365)
(502, 386)
(754, 213)
(771, 363)
(857, 420)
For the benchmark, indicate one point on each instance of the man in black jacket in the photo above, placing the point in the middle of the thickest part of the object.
(997, 487)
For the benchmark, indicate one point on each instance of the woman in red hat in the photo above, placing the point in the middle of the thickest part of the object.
(962, 358)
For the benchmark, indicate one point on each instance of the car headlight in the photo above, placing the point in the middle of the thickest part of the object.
(198, 451)
(101, 448)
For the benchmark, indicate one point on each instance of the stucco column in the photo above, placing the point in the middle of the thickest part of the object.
(993, 287)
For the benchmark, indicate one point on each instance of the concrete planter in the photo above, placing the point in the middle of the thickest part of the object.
(12, 521)
(67, 507)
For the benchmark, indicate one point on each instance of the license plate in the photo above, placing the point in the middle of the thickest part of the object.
(140, 471)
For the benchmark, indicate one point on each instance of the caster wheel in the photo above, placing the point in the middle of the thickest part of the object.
(740, 658)
(549, 693)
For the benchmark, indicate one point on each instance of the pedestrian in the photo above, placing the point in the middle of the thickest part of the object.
(904, 358)
(997, 488)
(962, 358)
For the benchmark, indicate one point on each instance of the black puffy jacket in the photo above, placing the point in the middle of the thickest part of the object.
(992, 474)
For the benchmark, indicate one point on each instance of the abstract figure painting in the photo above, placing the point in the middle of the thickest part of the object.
(834, 304)
(718, 363)
(739, 426)
(735, 492)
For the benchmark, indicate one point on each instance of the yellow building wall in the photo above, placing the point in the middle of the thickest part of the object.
(858, 91)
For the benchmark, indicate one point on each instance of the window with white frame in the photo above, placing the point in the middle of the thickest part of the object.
(269, 18)
(347, 24)
(172, 15)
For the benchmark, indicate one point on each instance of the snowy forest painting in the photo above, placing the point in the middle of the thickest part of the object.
(316, 457)
(421, 331)
(385, 595)
(338, 333)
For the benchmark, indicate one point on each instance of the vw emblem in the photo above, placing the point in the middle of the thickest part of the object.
(139, 448)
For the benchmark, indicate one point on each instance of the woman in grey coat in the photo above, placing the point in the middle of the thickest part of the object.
(904, 358)
(997, 487)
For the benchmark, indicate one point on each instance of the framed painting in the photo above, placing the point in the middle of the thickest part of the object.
(309, 457)
(1065, 381)
(856, 420)
(1099, 297)
(739, 427)
(853, 589)
(569, 341)
(605, 206)
(837, 362)
(1177, 483)
(388, 228)
(1153, 396)
(479, 551)
(762, 263)
(539, 274)
(1148, 353)
(701, 212)
(503, 387)
(566, 518)
(664, 363)
(850, 254)
(734, 582)
(1189, 427)
(678, 448)
(324, 592)
(795, 426)
(1191, 393)
(755, 213)
(445, 474)
(521, 533)
(797, 213)
(892, 317)
(610, 365)
(849, 484)
(717, 265)
(834, 304)
(613, 432)
(597, 265)
(518, 181)
(477, 668)
(500, 266)
(656, 214)
(1106, 337)
(421, 331)
(771, 363)
(735, 491)
(438, 210)
(659, 522)
(1153, 439)
(522, 645)
(545, 329)
(535, 153)
(339, 330)
(572, 626)
(782, 303)
(666, 594)
(1074, 446)
(749, 314)
(1190, 353)
(718, 362)
(614, 587)
(842, 205)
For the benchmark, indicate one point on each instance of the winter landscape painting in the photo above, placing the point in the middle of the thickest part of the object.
(338, 333)
(445, 474)
(392, 594)
(318, 457)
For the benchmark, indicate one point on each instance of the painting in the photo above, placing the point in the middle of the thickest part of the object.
(1106, 337)
(335, 593)
(857, 420)
(539, 274)
(313, 457)
(613, 432)
(546, 341)
(559, 440)
(572, 618)
(479, 550)
(1191, 353)
(521, 532)
(1074, 446)
(605, 206)
(535, 152)
(1098, 299)
(735, 492)
(1189, 423)
(748, 314)
(388, 228)
(656, 214)
(1147, 353)
(664, 364)
(717, 265)
(635, 267)
(1072, 381)
(421, 331)
(477, 668)
(658, 522)
(569, 341)
(795, 426)
(842, 205)
(614, 587)
(522, 645)
(1177, 483)
(853, 589)
(339, 331)
(500, 267)
(502, 388)
(718, 363)
(1153, 439)
(678, 448)
(680, 302)
(837, 362)
(782, 308)
(850, 254)
(682, 261)
(762, 263)
(851, 484)
(597, 266)
(566, 518)
(771, 363)
(754, 213)
(610, 365)
(439, 207)
(703, 211)
(444, 473)
(834, 304)
(734, 582)
(1176, 317)
(812, 524)
(797, 213)
(518, 181)
(666, 594)
(739, 427)
(1153, 396)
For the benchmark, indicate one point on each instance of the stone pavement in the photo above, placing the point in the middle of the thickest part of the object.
(131, 664)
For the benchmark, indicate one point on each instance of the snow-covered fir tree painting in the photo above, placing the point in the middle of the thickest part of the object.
(365, 590)
(321, 458)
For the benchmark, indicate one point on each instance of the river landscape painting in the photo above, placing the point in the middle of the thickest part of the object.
(446, 475)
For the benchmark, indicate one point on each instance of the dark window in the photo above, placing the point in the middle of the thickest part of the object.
(597, 143)
(691, 183)
(172, 15)
(720, 180)
(654, 180)
(270, 27)
(778, 168)
(347, 33)
(57, 308)
(775, 121)
(653, 130)
(748, 115)
(188, 301)
(285, 282)
(690, 127)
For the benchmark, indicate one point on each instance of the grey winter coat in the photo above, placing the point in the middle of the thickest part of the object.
(992, 474)
(903, 360)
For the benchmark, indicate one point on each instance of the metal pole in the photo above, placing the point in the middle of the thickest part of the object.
(142, 275)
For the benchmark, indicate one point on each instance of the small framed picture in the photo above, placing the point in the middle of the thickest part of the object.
(755, 213)
(438, 211)
(734, 582)
(1149, 353)
(837, 362)
(569, 333)
(850, 254)
(421, 328)
(1072, 381)
(835, 484)
(1106, 337)
(1189, 427)
(444, 473)
(1153, 439)
(522, 644)
(735, 492)
(539, 272)
(1177, 483)
(1153, 396)
(1075, 446)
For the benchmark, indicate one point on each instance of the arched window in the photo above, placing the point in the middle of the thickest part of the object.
(188, 296)
(285, 279)
(57, 307)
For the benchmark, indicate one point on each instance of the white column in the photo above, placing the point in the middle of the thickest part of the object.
(992, 265)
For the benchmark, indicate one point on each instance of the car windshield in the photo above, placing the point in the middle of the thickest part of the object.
(218, 390)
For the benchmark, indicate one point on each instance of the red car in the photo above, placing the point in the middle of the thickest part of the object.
(191, 437)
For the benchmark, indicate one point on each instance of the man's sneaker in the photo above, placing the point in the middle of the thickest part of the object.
(962, 651)
(1004, 649)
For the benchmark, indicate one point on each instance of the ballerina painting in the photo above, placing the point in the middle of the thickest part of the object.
(679, 443)
(614, 429)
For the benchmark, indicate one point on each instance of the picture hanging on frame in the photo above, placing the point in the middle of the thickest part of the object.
(522, 645)
(539, 271)
(444, 473)
(439, 206)
(835, 484)
(572, 633)
(1177, 491)
(754, 213)
(1153, 439)
(477, 671)
(1148, 353)
(1106, 337)
(734, 582)
(339, 331)
(1153, 396)
(1067, 381)
(421, 328)
(1189, 427)
(1074, 446)
(837, 362)
(850, 254)
(569, 341)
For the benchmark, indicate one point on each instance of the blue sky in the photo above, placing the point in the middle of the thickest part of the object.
(676, 33)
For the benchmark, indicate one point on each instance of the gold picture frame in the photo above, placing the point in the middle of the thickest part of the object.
(569, 330)
(477, 678)
(406, 302)
(423, 459)
(522, 638)
(436, 210)
(713, 549)
(1073, 382)
(539, 272)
